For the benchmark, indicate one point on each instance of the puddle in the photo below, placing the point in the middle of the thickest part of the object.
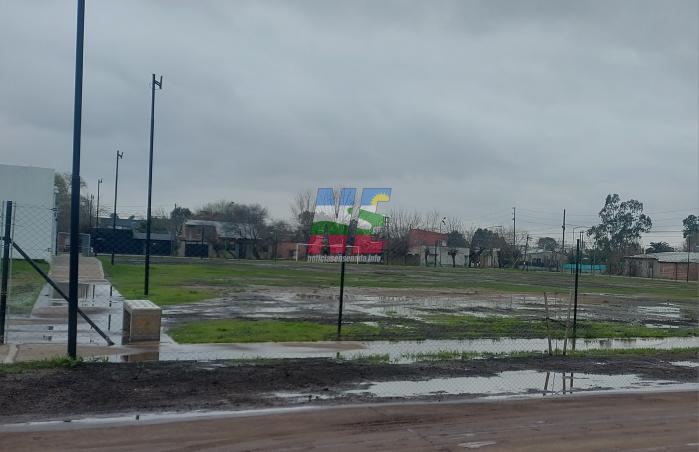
(281, 304)
(685, 363)
(397, 352)
(513, 383)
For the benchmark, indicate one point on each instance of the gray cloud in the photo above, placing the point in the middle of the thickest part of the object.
(469, 107)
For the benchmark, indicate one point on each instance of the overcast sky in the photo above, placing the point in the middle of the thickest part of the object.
(467, 107)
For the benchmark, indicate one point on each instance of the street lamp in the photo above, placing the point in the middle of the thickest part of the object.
(119, 156)
(443, 222)
(159, 84)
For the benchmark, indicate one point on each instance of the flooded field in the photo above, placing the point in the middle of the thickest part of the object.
(380, 304)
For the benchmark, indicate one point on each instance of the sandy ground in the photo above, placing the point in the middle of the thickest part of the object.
(664, 421)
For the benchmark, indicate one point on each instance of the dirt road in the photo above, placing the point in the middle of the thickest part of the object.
(659, 421)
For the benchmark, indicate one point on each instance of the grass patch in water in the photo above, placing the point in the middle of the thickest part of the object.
(224, 331)
(468, 326)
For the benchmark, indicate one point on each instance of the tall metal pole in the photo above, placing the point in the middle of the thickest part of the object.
(89, 210)
(159, 84)
(575, 299)
(563, 239)
(514, 236)
(5, 268)
(75, 187)
(97, 215)
(119, 156)
(342, 293)
(688, 255)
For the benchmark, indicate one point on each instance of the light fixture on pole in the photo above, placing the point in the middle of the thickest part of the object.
(159, 84)
(97, 215)
(119, 156)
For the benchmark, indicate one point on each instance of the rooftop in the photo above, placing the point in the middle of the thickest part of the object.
(674, 256)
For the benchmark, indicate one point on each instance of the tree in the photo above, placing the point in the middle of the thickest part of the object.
(659, 247)
(400, 222)
(62, 185)
(178, 217)
(453, 252)
(690, 225)
(547, 243)
(456, 239)
(620, 228)
(485, 239)
(302, 208)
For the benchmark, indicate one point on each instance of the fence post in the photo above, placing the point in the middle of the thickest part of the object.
(5, 268)
(575, 308)
(342, 292)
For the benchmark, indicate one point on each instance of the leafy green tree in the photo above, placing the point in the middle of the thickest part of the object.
(547, 243)
(620, 228)
(659, 247)
(456, 239)
(690, 225)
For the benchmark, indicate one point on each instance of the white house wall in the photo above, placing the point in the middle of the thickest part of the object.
(32, 191)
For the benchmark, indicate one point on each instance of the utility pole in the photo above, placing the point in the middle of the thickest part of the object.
(688, 255)
(563, 239)
(75, 187)
(514, 236)
(575, 299)
(119, 156)
(89, 210)
(526, 248)
(97, 215)
(159, 84)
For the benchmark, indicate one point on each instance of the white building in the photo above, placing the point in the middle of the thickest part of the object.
(32, 191)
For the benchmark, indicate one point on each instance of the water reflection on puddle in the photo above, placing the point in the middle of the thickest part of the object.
(519, 382)
(397, 352)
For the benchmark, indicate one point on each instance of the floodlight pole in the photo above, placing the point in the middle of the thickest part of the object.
(97, 215)
(75, 187)
(575, 299)
(119, 156)
(159, 84)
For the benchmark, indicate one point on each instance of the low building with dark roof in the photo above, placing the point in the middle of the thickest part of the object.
(680, 266)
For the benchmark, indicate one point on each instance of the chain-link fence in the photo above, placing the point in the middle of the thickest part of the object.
(229, 293)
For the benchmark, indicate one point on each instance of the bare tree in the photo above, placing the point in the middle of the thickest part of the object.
(302, 207)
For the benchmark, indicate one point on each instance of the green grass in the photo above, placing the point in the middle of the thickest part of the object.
(633, 352)
(30, 366)
(469, 326)
(439, 327)
(170, 284)
(223, 331)
(450, 355)
(187, 280)
(25, 286)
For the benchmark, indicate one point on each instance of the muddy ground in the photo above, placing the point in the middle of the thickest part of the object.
(413, 308)
(99, 388)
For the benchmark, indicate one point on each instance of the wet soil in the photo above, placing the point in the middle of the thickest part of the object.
(414, 307)
(94, 388)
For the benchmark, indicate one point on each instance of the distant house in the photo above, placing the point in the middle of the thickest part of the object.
(205, 238)
(489, 258)
(121, 223)
(129, 241)
(424, 247)
(539, 257)
(672, 265)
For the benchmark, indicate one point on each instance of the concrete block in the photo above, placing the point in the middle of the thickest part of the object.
(141, 322)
